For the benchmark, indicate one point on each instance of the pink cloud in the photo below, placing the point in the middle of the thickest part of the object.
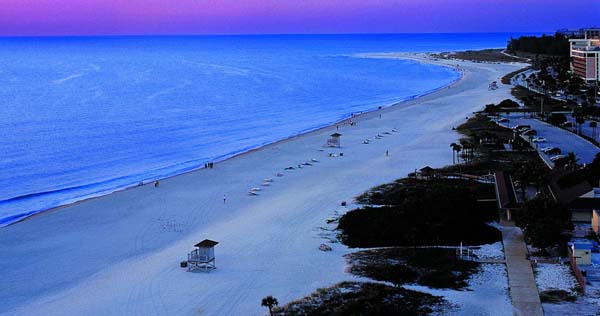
(81, 17)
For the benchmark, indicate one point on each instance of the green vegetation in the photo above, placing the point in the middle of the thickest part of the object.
(487, 137)
(360, 298)
(530, 172)
(557, 119)
(505, 106)
(433, 267)
(412, 212)
(535, 102)
(269, 302)
(484, 55)
(545, 222)
(508, 103)
(506, 78)
(589, 173)
(548, 45)
(549, 55)
(557, 296)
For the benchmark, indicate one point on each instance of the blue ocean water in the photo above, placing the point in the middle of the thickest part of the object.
(81, 117)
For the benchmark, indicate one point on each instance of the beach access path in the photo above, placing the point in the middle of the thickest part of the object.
(119, 254)
(521, 281)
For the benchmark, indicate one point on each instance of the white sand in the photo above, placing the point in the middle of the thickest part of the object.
(119, 254)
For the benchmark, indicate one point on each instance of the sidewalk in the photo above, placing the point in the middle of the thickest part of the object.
(521, 282)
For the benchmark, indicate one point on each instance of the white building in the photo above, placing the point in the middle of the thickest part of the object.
(585, 54)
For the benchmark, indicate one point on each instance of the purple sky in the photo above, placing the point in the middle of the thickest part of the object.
(98, 17)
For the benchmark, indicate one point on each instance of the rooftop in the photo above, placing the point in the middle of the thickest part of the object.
(581, 246)
(206, 243)
(505, 192)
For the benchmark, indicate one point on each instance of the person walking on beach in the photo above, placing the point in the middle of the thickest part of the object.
(224, 199)
(387, 153)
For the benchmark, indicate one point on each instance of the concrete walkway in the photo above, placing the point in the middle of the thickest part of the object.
(521, 282)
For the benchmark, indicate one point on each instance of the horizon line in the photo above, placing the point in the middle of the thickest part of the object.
(264, 34)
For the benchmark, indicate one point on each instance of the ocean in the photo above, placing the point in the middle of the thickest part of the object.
(84, 116)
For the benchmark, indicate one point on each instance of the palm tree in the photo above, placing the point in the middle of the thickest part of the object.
(579, 120)
(593, 125)
(455, 148)
(467, 150)
(269, 302)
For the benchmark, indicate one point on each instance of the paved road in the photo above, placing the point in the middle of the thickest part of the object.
(557, 137)
(521, 282)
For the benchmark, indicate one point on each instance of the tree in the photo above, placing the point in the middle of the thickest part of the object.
(557, 119)
(455, 149)
(530, 173)
(508, 103)
(572, 159)
(467, 149)
(579, 120)
(545, 222)
(269, 302)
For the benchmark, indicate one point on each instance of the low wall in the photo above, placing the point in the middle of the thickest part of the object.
(577, 272)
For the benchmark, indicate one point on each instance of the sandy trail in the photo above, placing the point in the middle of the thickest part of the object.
(119, 254)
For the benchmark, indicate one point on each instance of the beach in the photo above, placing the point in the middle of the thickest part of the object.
(119, 254)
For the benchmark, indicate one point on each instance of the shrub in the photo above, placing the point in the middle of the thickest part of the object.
(508, 103)
(557, 119)
(362, 298)
(557, 296)
(435, 212)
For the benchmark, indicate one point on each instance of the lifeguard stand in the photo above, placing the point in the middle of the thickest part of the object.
(203, 257)
(334, 140)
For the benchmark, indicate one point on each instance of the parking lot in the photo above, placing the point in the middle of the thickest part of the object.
(556, 137)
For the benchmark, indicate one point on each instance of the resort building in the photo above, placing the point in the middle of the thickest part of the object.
(584, 55)
(582, 207)
(582, 253)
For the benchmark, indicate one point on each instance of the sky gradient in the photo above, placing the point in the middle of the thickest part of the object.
(146, 17)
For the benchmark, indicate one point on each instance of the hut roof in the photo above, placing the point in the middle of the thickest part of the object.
(336, 135)
(426, 169)
(206, 243)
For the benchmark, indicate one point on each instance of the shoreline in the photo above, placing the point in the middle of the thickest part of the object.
(125, 247)
(424, 58)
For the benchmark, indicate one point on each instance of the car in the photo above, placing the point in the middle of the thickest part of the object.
(567, 124)
(521, 127)
(530, 132)
(551, 150)
(503, 120)
(557, 157)
(538, 139)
